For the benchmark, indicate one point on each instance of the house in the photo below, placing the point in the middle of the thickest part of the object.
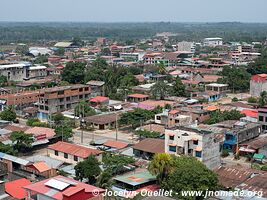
(136, 181)
(250, 115)
(217, 87)
(258, 84)
(148, 147)
(99, 101)
(62, 188)
(41, 132)
(97, 88)
(71, 153)
(40, 168)
(262, 117)
(15, 72)
(240, 132)
(196, 142)
(117, 145)
(103, 121)
(37, 72)
(172, 118)
(16, 188)
(257, 145)
(151, 104)
(137, 97)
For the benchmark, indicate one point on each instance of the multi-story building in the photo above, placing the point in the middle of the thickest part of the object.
(172, 118)
(185, 46)
(15, 72)
(195, 142)
(37, 72)
(60, 99)
(258, 84)
(212, 42)
(262, 118)
(240, 132)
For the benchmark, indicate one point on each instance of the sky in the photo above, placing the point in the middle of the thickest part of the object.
(134, 10)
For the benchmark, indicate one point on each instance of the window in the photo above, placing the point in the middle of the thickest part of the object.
(198, 154)
(66, 155)
(171, 137)
(56, 153)
(195, 142)
(172, 148)
(75, 158)
(158, 118)
(261, 118)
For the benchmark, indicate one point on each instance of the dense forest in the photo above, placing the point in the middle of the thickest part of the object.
(229, 31)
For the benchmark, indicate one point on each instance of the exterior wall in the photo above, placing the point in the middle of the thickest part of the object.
(105, 126)
(256, 88)
(37, 73)
(15, 73)
(43, 197)
(201, 146)
(70, 159)
(262, 119)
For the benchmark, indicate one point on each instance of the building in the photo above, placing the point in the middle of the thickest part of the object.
(37, 72)
(97, 88)
(195, 142)
(99, 101)
(258, 84)
(15, 188)
(217, 87)
(240, 132)
(15, 72)
(71, 153)
(148, 147)
(60, 99)
(212, 42)
(62, 188)
(172, 118)
(185, 46)
(133, 57)
(102, 122)
(262, 118)
(137, 97)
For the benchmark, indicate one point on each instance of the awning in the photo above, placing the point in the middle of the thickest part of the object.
(244, 149)
(195, 139)
(171, 134)
(258, 156)
(198, 149)
(39, 142)
(172, 145)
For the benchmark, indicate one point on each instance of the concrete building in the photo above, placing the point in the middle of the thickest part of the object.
(97, 88)
(71, 153)
(185, 46)
(15, 72)
(262, 118)
(198, 143)
(217, 87)
(240, 132)
(37, 72)
(212, 42)
(172, 118)
(258, 84)
(134, 57)
(60, 99)
(137, 97)
(102, 122)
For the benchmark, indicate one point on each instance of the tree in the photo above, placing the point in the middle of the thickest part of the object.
(7, 148)
(3, 80)
(58, 118)
(162, 69)
(219, 116)
(263, 99)
(178, 88)
(147, 134)
(8, 114)
(236, 77)
(84, 109)
(189, 174)
(104, 180)
(161, 165)
(60, 51)
(31, 121)
(21, 140)
(160, 90)
(88, 169)
(64, 131)
(74, 72)
(259, 66)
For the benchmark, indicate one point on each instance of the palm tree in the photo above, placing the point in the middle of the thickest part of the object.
(162, 68)
(263, 99)
(160, 90)
(161, 165)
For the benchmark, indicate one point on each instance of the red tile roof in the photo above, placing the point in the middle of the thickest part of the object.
(259, 77)
(151, 145)
(74, 149)
(250, 113)
(99, 99)
(15, 188)
(36, 131)
(41, 166)
(173, 112)
(115, 144)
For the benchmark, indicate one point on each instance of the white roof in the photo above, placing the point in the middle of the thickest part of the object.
(56, 184)
(63, 44)
(217, 85)
(18, 65)
(215, 38)
(37, 67)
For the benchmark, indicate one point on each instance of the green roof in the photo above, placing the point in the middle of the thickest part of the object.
(136, 178)
(258, 156)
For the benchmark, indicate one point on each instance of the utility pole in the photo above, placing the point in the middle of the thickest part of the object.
(116, 126)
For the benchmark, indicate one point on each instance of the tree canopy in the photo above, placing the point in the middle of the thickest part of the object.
(219, 116)
(160, 90)
(84, 109)
(74, 72)
(21, 140)
(8, 114)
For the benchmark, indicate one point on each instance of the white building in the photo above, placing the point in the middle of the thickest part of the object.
(15, 72)
(212, 42)
(201, 144)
